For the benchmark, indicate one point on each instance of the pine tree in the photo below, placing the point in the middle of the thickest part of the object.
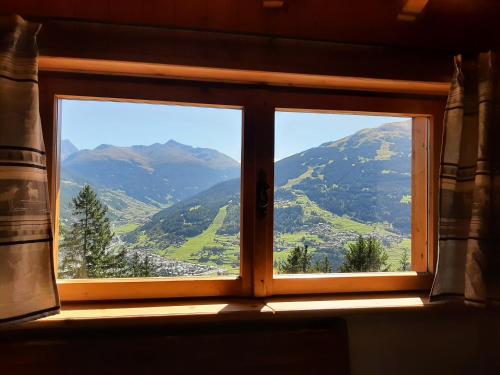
(298, 261)
(323, 266)
(366, 255)
(142, 268)
(85, 249)
(148, 269)
(404, 262)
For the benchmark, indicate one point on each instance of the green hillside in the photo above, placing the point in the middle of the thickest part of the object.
(157, 175)
(325, 197)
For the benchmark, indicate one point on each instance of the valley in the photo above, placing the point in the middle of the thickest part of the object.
(180, 206)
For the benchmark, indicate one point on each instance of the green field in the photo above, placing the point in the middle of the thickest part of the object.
(297, 180)
(222, 251)
(395, 253)
(126, 228)
(210, 248)
(339, 224)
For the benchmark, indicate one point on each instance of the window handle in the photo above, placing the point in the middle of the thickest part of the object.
(262, 195)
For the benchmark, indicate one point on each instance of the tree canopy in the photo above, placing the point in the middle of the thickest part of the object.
(85, 248)
(299, 260)
(365, 255)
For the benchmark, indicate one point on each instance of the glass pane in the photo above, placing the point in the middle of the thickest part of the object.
(149, 190)
(342, 193)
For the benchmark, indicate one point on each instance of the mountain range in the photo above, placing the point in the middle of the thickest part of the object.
(172, 193)
(143, 179)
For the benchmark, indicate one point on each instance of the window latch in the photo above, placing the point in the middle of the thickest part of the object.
(262, 194)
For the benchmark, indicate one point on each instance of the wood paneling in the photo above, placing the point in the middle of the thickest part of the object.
(241, 348)
(239, 52)
(451, 25)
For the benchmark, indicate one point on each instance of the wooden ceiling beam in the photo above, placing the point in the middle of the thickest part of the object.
(252, 77)
(412, 9)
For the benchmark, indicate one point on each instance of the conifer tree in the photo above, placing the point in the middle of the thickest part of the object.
(298, 261)
(323, 266)
(404, 262)
(365, 255)
(85, 251)
(141, 268)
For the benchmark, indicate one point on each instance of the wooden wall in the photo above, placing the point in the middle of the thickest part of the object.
(406, 342)
(382, 343)
(452, 25)
(425, 342)
(244, 52)
(312, 347)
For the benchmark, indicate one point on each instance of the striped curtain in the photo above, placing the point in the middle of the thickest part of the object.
(469, 219)
(27, 282)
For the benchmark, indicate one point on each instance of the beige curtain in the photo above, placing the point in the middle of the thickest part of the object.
(469, 219)
(27, 283)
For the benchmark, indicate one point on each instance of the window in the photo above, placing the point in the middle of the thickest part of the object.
(148, 190)
(264, 171)
(342, 193)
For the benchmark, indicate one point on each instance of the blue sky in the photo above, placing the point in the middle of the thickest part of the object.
(87, 124)
(296, 132)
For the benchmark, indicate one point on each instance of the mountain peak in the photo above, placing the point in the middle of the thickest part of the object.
(103, 146)
(399, 129)
(67, 149)
(404, 126)
(173, 142)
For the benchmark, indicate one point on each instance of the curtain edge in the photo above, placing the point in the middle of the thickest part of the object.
(30, 316)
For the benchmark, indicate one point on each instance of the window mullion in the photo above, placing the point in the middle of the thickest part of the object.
(257, 187)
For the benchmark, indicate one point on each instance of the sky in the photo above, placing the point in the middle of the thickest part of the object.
(88, 124)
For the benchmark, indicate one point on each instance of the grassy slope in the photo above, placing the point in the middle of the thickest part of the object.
(122, 209)
(195, 244)
(126, 228)
(339, 223)
(303, 176)
(190, 250)
(395, 253)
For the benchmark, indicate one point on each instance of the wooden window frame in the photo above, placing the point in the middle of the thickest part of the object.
(259, 104)
(425, 159)
(419, 277)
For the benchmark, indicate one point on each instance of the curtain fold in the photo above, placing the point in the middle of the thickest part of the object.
(469, 218)
(27, 281)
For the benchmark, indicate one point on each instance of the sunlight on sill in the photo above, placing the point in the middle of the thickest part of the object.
(347, 304)
(109, 314)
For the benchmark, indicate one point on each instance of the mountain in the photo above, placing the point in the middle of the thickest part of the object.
(324, 197)
(190, 217)
(67, 149)
(366, 176)
(182, 203)
(156, 175)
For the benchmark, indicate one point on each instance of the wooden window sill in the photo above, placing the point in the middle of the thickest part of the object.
(216, 311)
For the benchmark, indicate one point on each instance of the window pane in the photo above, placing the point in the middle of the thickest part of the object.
(149, 190)
(342, 193)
